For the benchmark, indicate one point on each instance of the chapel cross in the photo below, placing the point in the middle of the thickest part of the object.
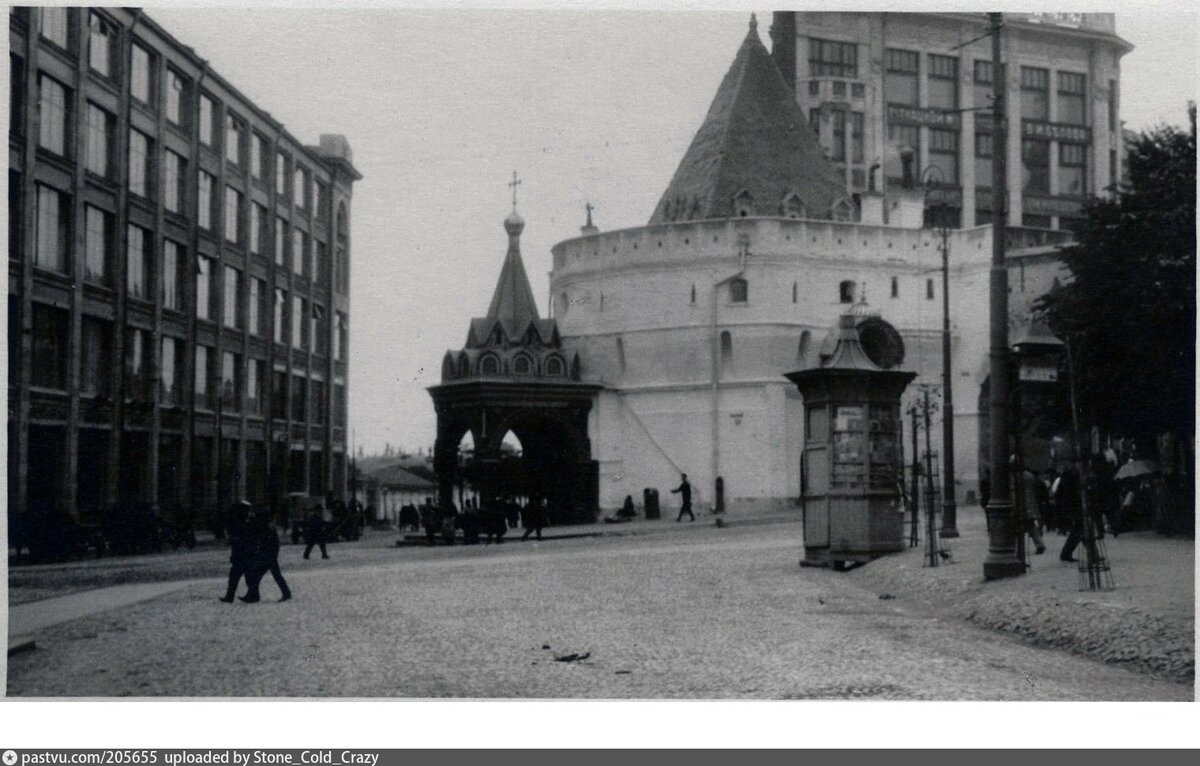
(514, 184)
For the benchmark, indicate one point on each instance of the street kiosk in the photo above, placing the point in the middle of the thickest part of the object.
(851, 488)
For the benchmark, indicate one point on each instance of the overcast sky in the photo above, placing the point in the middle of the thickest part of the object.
(440, 107)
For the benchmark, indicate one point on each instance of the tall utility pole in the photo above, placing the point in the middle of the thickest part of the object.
(949, 506)
(1002, 558)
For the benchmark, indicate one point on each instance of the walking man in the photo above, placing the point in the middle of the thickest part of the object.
(314, 532)
(535, 518)
(266, 541)
(241, 548)
(685, 491)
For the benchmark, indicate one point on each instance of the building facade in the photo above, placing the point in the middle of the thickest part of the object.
(874, 83)
(690, 323)
(179, 271)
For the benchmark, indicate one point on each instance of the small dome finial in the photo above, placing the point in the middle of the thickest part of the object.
(514, 223)
(753, 23)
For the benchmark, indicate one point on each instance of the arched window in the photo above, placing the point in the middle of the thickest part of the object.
(843, 210)
(554, 367)
(464, 366)
(846, 291)
(693, 293)
(726, 349)
(563, 303)
(739, 290)
(621, 354)
(802, 349)
(489, 365)
(795, 292)
(522, 365)
(449, 368)
(743, 204)
(895, 287)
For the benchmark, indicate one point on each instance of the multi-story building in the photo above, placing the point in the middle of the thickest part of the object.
(179, 270)
(872, 84)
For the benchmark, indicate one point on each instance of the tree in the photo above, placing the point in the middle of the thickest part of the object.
(1127, 312)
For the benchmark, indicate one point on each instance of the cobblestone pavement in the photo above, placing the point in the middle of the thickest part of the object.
(710, 614)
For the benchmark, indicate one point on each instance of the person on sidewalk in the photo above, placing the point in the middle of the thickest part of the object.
(1031, 493)
(241, 548)
(685, 491)
(314, 532)
(266, 544)
(535, 519)
(1072, 510)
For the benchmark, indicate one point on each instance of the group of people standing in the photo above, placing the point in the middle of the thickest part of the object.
(1053, 502)
(492, 520)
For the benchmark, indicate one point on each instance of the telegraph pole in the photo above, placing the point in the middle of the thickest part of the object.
(949, 506)
(1002, 558)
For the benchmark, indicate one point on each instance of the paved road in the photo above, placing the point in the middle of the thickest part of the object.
(711, 614)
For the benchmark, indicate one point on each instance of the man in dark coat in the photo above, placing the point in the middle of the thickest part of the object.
(266, 559)
(535, 518)
(314, 532)
(685, 491)
(241, 548)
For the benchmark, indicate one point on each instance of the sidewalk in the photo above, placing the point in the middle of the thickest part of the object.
(1146, 624)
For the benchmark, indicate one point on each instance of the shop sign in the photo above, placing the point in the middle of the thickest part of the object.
(930, 118)
(1059, 206)
(1055, 131)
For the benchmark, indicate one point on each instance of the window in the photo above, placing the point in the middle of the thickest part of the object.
(300, 192)
(201, 388)
(342, 264)
(279, 395)
(139, 163)
(255, 306)
(259, 153)
(233, 138)
(943, 153)
(814, 121)
(1072, 104)
(49, 358)
(281, 187)
(56, 26)
(172, 283)
(320, 267)
(1031, 221)
(140, 79)
(726, 349)
(176, 98)
(983, 160)
(856, 136)
(983, 85)
(52, 229)
(827, 58)
(280, 238)
(1113, 169)
(837, 151)
(52, 115)
(1112, 105)
(15, 215)
(339, 338)
(846, 292)
(137, 365)
(174, 178)
(97, 245)
(298, 252)
(280, 315)
(900, 78)
(322, 202)
(814, 86)
(795, 291)
(16, 95)
(339, 395)
(205, 201)
(943, 82)
(258, 226)
(230, 364)
(318, 401)
(137, 243)
(899, 137)
(94, 356)
(204, 271)
(255, 369)
(319, 335)
(207, 115)
(793, 207)
(928, 289)
(1072, 169)
(102, 37)
(1035, 166)
(231, 312)
(839, 88)
(895, 287)
(299, 410)
(299, 325)
(168, 377)
(233, 206)
(738, 291)
(1035, 94)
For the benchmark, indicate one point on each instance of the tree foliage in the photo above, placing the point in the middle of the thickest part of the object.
(1128, 311)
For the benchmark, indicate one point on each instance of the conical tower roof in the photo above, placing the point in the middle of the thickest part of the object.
(754, 140)
(512, 303)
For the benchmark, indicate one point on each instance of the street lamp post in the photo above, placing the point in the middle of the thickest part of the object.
(931, 178)
(1002, 558)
